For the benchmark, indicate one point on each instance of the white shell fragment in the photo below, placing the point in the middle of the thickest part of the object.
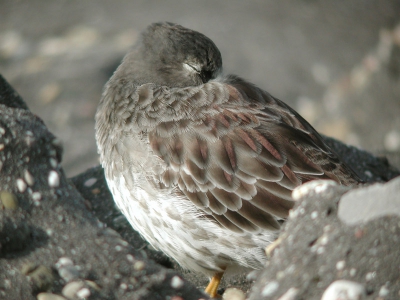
(53, 179)
(21, 185)
(290, 294)
(176, 282)
(270, 289)
(29, 178)
(344, 290)
(90, 182)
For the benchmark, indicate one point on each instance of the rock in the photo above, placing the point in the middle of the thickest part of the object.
(344, 290)
(317, 249)
(53, 222)
(377, 200)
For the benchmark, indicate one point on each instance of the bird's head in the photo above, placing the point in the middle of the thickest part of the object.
(172, 55)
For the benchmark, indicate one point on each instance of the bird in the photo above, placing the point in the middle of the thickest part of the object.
(203, 164)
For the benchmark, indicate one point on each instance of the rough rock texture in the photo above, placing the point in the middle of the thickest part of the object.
(55, 235)
(317, 250)
(49, 240)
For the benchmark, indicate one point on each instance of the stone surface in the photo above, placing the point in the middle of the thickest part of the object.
(52, 221)
(363, 205)
(317, 249)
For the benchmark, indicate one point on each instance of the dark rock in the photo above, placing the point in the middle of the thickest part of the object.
(9, 97)
(53, 217)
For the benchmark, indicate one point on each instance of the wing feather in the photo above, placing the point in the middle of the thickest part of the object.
(236, 152)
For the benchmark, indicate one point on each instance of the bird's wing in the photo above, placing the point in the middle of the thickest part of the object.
(236, 152)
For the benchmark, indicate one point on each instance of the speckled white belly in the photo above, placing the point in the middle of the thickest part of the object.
(175, 226)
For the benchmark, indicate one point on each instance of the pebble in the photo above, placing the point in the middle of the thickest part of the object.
(41, 277)
(384, 291)
(53, 162)
(370, 276)
(352, 272)
(90, 182)
(21, 185)
(9, 200)
(314, 215)
(68, 273)
(233, 294)
(29, 178)
(53, 179)
(340, 265)
(83, 293)
(36, 196)
(49, 296)
(270, 289)
(344, 290)
(290, 294)
(71, 289)
(176, 282)
(66, 269)
(139, 265)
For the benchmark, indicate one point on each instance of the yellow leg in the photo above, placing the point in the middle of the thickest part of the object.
(212, 287)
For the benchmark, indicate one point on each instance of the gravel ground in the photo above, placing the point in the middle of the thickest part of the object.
(338, 64)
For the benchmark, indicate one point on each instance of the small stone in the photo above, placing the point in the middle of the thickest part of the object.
(90, 182)
(340, 265)
(139, 265)
(71, 289)
(352, 272)
(21, 185)
(344, 289)
(130, 258)
(53, 179)
(314, 215)
(123, 286)
(9, 200)
(36, 196)
(290, 294)
(370, 276)
(233, 294)
(64, 261)
(270, 289)
(29, 178)
(83, 293)
(176, 282)
(383, 291)
(68, 273)
(41, 277)
(49, 296)
(93, 285)
(53, 162)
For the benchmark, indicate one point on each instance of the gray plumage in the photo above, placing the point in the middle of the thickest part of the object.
(201, 164)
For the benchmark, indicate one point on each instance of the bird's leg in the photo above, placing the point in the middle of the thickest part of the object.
(212, 287)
